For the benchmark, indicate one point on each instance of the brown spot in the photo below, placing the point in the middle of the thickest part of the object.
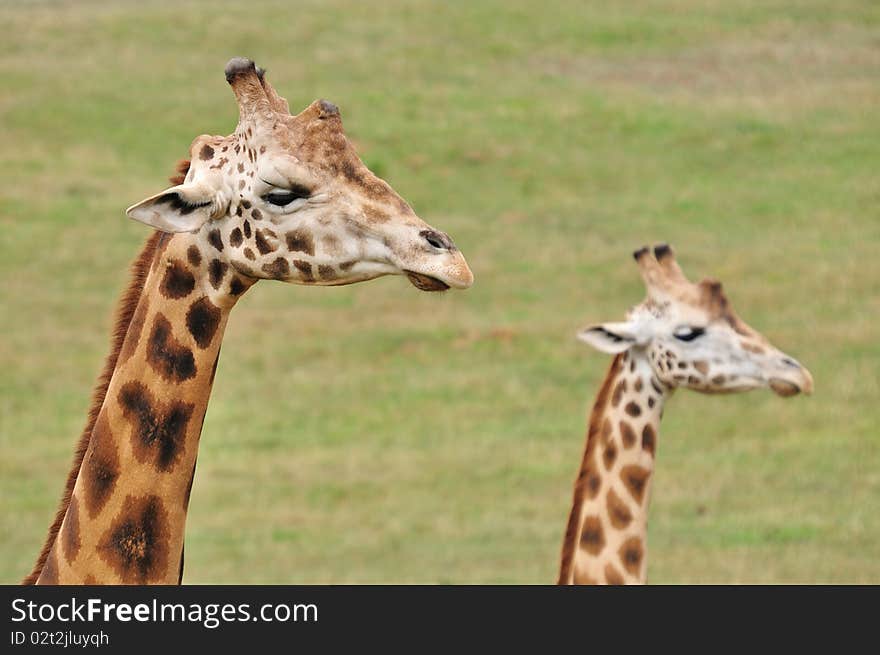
(193, 256)
(376, 215)
(635, 478)
(594, 481)
(256, 214)
(206, 153)
(612, 575)
(49, 574)
(631, 553)
(158, 431)
(171, 359)
(241, 184)
(247, 230)
(618, 512)
(100, 468)
(70, 540)
(651, 402)
(609, 455)
(215, 240)
(240, 167)
(136, 544)
(278, 269)
(702, 366)
(305, 268)
(249, 254)
(682, 365)
(300, 241)
(632, 409)
(133, 335)
(202, 321)
(235, 237)
(637, 387)
(262, 244)
(718, 380)
(627, 434)
(216, 271)
(246, 204)
(619, 390)
(346, 266)
(592, 537)
(326, 272)
(237, 287)
(751, 348)
(649, 439)
(588, 478)
(178, 281)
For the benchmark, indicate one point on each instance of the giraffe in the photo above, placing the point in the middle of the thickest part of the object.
(683, 334)
(283, 198)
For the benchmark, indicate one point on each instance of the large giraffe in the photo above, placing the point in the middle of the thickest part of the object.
(283, 198)
(683, 334)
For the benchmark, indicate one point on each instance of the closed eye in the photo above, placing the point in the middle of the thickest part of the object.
(283, 197)
(688, 333)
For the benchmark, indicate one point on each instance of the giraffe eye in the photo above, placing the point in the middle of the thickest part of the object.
(688, 333)
(283, 197)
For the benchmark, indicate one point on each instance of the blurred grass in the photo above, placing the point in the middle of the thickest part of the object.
(376, 434)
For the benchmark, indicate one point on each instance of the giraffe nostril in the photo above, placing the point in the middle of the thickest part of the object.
(437, 239)
(790, 362)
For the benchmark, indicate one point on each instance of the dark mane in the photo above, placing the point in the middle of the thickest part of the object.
(125, 309)
(180, 172)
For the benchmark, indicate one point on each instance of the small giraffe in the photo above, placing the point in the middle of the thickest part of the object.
(283, 198)
(683, 334)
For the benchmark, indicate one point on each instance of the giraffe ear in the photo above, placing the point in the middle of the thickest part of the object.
(182, 208)
(611, 338)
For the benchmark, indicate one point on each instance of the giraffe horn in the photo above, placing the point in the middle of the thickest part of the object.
(278, 103)
(652, 274)
(666, 258)
(253, 103)
(659, 270)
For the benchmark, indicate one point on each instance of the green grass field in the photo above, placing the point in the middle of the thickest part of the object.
(373, 433)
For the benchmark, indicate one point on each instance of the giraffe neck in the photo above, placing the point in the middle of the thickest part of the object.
(125, 519)
(606, 537)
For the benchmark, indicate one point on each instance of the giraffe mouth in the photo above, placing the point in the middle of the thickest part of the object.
(425, 282)
(784, 388)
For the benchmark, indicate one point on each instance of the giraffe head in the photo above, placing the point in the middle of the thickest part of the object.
(287, 197)
(692, 337)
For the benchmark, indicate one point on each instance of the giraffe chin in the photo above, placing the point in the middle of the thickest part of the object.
(425, 282)
(784, 388)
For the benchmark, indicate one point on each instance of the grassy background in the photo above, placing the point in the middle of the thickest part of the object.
(376, 434)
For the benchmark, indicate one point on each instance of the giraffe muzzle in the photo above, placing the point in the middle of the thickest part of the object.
(438, 265)
(791, 379)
